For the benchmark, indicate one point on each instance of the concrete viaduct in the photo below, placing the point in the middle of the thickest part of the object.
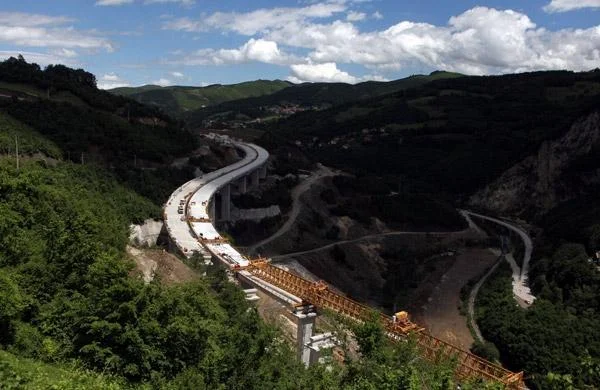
(189, 215)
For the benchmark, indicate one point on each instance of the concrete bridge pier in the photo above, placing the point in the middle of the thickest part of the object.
(211, 209)
(254, 178)
(263, 171)
(242, 185)
(320, 343)
(305, 320)
(225, 203)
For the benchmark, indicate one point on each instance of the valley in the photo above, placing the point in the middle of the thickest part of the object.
(400, 195)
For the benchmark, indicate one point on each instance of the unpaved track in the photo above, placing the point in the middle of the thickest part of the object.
(367, 237)
(473, 297)
(300, 189)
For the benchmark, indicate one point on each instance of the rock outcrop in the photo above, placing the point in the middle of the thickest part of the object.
(542, 181)
(146, 234)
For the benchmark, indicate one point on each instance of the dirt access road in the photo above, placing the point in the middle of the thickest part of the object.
(363, 238)
(321, 172)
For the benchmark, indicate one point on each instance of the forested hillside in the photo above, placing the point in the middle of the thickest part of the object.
(440, 143)
(177, 100)
(73, 315)
(309, 96)
(451, 135)
(135, 142)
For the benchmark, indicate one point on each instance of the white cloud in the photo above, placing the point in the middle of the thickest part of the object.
(353, 16)
(182, 2)
(42, 59)
(480, 40)
(260, 20)
(258, 50)
(20, 19)
(112, 80)
(42, 37)
(327, 72)
(570, 5)
(110, 77)
(177, 75)
(36, 30)
(377, 15)
(162, 82)
(67, 53)
(113, 2)
(122, 2)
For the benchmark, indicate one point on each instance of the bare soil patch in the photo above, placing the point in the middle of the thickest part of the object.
(151, 263)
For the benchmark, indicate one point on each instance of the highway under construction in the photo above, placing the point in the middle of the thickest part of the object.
(190, 214)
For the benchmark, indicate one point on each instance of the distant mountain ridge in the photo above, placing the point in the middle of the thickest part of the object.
(176, 100)
(315, 94)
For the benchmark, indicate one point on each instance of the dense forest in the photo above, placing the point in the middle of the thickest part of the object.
(427, 149)
(73, 315)
(178, 100)
(556, 342)
(135, 142)
(69, 304)
(56, 78)
(309, 95)
(447, 136)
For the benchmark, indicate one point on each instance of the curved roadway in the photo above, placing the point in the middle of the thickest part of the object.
(193, 231)
(196, 196)
(519, 274)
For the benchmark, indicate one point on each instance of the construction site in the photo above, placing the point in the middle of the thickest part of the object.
(189, 215)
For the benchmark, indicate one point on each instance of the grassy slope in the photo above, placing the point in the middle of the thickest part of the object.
(22, 373)
(30, 141)
(178, 99)
(31, 91)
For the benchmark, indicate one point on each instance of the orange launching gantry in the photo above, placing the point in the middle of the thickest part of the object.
(397, 327)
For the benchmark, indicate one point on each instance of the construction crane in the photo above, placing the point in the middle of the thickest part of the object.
(396, 327)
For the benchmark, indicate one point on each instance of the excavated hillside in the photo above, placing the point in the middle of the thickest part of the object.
(562, 169)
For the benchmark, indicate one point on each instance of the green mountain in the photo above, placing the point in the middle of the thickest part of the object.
(59, 112)
(527, 145)
(453, 135)
(176, 100)
(72, 313)
(311, 95)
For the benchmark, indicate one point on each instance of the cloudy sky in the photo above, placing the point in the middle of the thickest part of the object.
(199, 42)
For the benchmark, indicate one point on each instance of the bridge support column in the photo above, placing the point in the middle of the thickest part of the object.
(263, 171)
(225, 203)
(306, 324)
(241, 185)
(254, 178)
(211, 209)
(318, 344)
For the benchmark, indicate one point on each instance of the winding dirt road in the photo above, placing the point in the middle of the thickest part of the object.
(367, 237)
(321, 172)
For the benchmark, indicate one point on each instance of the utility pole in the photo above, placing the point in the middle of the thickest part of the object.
(17, 150)
(82, 158)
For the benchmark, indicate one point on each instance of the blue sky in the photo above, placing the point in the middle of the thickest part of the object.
(199, 42)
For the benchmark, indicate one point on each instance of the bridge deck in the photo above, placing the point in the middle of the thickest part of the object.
(193, 231)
